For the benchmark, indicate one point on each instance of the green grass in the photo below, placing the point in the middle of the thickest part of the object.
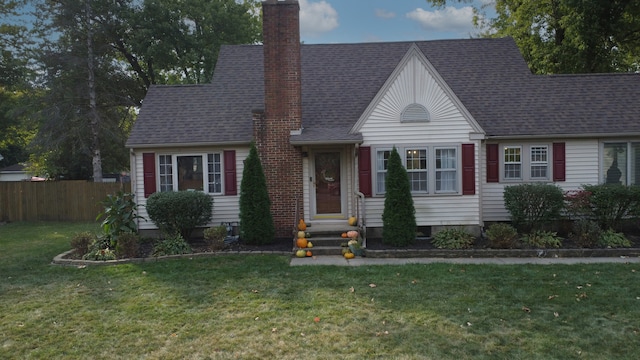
(258, 307)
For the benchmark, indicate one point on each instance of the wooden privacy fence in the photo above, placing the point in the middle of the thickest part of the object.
(54, 200)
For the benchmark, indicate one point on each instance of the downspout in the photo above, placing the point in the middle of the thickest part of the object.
(360, 213)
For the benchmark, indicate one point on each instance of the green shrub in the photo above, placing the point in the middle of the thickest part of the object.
(256, 221)
(501, 236)
(533, 205)
(99, 250)
(399, 215)
(453, 238)
(214, 237)
(80, 242)
(179, 212)
(171, 245)
(128, 245)
(611, 204)
(612, 239)
(543, 239)
(119, 216)
(585, 233)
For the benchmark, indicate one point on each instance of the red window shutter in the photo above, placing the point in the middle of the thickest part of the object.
(230, 180)
(364, 170)
(559, 160)
(468, 170)
(149, 171)
(493, 163)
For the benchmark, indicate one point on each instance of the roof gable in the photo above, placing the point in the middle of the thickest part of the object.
(415, 81)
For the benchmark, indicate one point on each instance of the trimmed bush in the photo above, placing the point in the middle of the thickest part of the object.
(610, 204)
(453, 238)
(214, 237)
(399, 215)
(533, 206)
(256, 221)
(501, 236)
(543, 239)
(172, 245)
(179, 212)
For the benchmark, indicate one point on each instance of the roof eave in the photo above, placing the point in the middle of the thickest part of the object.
(188, 144)
(325, 142)
(568, 136)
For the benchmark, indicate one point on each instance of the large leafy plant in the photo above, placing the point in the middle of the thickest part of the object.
(119, 217)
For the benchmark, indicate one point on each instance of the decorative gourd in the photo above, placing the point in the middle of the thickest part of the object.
(349, 255)
(301, 225)
(301, 243)
(301, 253)
(344, 235)
(352, 234)
(301, 234)
(353, 221)
(309, 253)
(309, 244)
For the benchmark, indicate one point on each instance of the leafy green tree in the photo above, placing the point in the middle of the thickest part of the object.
(256, 221)
(399, 215)
(568, 36)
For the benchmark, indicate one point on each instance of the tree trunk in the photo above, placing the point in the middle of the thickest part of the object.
(93, 111)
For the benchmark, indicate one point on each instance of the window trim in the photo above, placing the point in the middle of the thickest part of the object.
(525, 162)
(205, 165)
(431, 170)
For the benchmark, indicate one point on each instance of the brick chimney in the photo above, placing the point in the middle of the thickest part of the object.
(281, 161)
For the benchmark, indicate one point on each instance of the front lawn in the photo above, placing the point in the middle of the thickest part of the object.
(258, 307)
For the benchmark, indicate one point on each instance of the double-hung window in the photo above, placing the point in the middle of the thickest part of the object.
(416, 165)
(200, 172)
(446, 170)
(525, 162)
(430, 169)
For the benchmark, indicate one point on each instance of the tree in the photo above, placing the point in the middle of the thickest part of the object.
(256, 221)
(399, 215)
(569, 36)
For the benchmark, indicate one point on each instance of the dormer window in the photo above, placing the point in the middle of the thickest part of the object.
(415, 113)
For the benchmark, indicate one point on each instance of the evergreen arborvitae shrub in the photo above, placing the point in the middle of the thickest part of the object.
(256, 221)
(180, 212)
(399, 215)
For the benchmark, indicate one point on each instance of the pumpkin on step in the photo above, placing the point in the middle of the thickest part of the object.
(353, 221)
(301, 225)
(352, 234)
(349, 255)
(301, 234)
(301, 243)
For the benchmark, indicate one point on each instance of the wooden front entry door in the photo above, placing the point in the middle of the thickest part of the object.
(328, 183)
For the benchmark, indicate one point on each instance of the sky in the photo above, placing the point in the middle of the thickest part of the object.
(355, 21)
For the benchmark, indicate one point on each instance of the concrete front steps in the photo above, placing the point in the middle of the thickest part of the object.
(326, 238)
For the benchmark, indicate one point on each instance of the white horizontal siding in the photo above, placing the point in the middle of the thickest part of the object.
(581, 167)
(225, 208)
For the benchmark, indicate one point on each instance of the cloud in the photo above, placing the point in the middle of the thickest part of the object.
(317, 17)
(447, 19)
(384, 14)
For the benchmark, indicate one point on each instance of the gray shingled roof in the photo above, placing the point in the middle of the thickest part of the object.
(339, 81)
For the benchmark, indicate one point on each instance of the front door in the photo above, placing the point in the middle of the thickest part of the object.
(328, 184)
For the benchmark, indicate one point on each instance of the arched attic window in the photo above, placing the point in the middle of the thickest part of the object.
(415, 113)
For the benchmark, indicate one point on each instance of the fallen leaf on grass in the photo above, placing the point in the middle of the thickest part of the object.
(274, 330)
(414, 281)
(555, 313)
(351, 289)
(372, 285)
(552, 297)
(526, 309)
(316, 319)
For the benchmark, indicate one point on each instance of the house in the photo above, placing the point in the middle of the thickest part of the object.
(467, 116)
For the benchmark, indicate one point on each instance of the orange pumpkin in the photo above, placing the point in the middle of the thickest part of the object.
(301, 243)
(301, 225)
(349, 255)
(309, 253)
(344, 235)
